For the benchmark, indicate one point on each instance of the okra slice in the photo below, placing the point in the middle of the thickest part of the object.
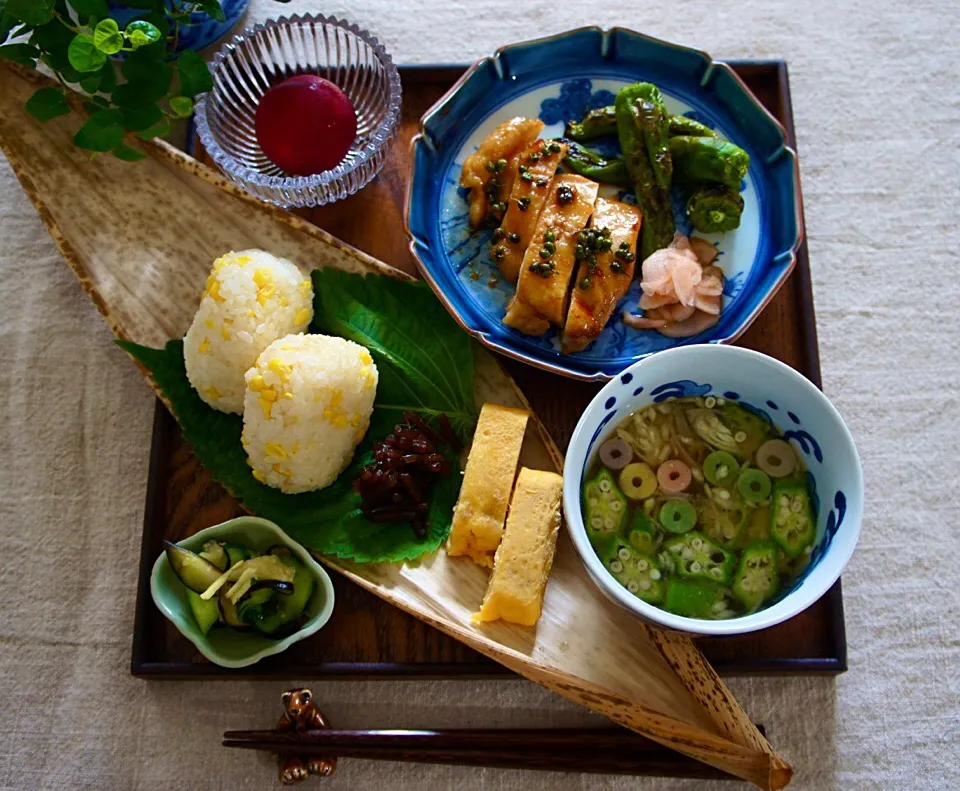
(757, 577)
(642, 534)
(722, 525)
(697, 557)
(606, 508)
(638, 573)
(694, 598)
(792, 524)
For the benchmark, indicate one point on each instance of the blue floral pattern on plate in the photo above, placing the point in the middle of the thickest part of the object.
(555, 79)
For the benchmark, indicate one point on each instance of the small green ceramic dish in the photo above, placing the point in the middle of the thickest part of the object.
(228, 647)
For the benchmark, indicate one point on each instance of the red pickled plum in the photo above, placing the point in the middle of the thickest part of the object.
(305, 125)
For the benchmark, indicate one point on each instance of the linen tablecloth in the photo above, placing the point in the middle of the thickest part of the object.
(877, 107)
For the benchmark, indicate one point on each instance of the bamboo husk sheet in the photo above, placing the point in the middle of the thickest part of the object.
(141, 238)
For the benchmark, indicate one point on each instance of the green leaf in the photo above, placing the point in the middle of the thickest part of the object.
(148, 78)
(182, 106)
(107, 36)
(103, 131)
(214, 9)
(139, 119)
(194, 75)
(84, 55)
(141, 33)
(53, 36)
(91, 83)
(8, 23)
(153, 5)
(47, 103)
(329, 521)
(128, 154)
(423, 358)
(161, 129)
(23, 54)
(31, 12)
(108, 77)
(91, 8)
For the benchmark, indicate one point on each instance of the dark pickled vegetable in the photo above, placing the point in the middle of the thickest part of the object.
(715, 209)
(195, 572)
(236, 553)
(757, 576)
(608, 170)
(697, 557)
(792, 523)
(596, 123)
(250, 605)
(638, 573)
(606, 508)
(693, 598)
(284, 612)
(681, 126)
(634, 117)
(707, 159)
(228, 610)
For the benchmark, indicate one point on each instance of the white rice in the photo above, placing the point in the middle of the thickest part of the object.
(250, 299)
(307, 406)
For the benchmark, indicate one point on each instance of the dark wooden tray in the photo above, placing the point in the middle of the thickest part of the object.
(367, 638)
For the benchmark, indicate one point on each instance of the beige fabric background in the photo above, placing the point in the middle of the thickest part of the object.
(877, 103)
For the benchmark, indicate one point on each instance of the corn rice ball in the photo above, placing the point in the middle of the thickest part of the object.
(251, 298)
(307, 406)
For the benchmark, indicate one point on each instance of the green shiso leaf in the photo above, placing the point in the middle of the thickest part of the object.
(420, 355)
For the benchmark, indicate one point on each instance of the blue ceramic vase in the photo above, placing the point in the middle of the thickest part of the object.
(202, 31)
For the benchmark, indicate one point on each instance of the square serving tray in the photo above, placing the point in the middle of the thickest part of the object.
(366, 637)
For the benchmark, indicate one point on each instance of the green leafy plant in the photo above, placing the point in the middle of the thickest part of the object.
(425, 365)
(75, 40)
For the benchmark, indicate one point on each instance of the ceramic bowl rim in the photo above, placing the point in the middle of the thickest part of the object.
(379, 139)
(202, 645)
(559, 367)
(805, 595)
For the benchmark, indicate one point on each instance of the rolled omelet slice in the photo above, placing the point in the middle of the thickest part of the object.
(525, 557)
(487, 482)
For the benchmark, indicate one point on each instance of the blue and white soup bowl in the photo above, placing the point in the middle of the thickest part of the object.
(809, 422)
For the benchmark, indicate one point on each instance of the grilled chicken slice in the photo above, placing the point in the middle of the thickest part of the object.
(598, 287)
(543, 286)
(488, 182)
(536, 167)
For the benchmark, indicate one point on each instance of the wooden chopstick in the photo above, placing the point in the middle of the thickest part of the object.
(596, 750)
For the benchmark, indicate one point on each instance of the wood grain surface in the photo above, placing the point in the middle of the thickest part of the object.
(369, 637)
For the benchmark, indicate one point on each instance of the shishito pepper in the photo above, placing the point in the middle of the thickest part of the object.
(792, 523)
(692, 598)
(757, 576)
(715, 209)
(596, 123)
(642, 121)
(708, 159)
(697, 557)
(606, 508)
(608, 170)
(680, 125)
(638, 573)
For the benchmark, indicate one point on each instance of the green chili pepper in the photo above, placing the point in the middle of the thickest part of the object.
(715, 209)
(757, 576)
(753, 485)
(720, 468)
(708, 159)
(792, 524)
(588, 163)
(681, 126)
(633, 120)
(596, 123)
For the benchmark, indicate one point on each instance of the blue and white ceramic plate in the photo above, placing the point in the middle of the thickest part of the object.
(558, 79)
